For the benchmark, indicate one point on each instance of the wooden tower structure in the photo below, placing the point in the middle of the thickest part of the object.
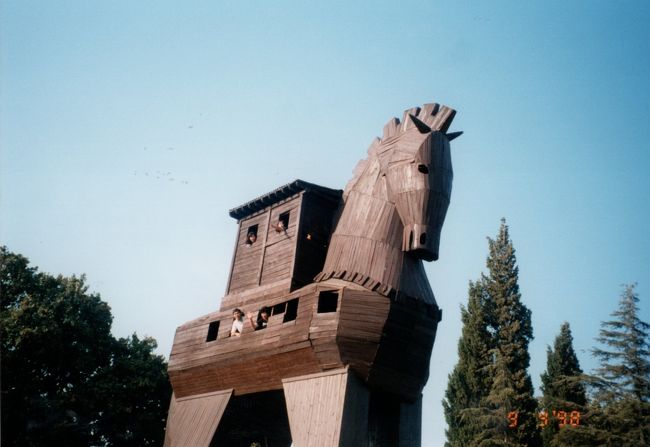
(344, 353)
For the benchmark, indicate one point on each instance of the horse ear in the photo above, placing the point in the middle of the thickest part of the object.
(453, 135)
(423, 128)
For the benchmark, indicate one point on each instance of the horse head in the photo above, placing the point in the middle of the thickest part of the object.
(416, 164)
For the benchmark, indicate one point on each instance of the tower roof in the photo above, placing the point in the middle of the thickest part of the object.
(282, 193)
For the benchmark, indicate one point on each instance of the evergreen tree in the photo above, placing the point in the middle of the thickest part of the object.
(624, 358)
(562, 386)
(510, 410)
(622, 397)
(489, 399)
(469, 382)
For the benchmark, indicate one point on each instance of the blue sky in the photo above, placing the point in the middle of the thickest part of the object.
(128, 129)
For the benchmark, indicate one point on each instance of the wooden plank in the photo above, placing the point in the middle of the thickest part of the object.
(249, 375)
(319, 406)
(261, 261)
(193, 421)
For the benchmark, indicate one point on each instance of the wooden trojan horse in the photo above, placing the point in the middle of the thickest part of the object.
(346, 350)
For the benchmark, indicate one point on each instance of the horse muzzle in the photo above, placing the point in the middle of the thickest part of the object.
(421, 241)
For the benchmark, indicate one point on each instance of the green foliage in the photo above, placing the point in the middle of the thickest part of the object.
(469, 381)
(562, 384)
(624, 357)
(490, 387)
(622, 390)
(512, 388)
(618, 414)
(490, 381)
(65, 379)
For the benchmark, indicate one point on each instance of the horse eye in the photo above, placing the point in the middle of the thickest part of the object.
(423, 169)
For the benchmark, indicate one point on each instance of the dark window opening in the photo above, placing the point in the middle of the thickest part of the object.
(283, 222)
(254, 419)
(213, 331)
(279, 308)
(327, 302)
(292, 310)
(251, 235)
(423, 169)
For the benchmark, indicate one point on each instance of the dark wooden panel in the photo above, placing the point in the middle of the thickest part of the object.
(402, 362)
(316, 223)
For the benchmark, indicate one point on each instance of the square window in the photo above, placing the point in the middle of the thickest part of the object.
(283, 222)
(251, 235)
(279, 308)
(328, 301)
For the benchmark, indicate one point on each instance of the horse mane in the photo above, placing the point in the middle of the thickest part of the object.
(435, 117)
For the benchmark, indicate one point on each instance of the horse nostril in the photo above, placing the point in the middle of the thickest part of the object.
(423, 238)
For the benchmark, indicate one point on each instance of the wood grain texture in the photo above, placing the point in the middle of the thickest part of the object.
(192, 421)
(327, 410)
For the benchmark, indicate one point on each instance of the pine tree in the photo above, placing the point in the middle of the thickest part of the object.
(510, 415)
(562, 386)
(622, 397)
(625, 366)
(469, 382)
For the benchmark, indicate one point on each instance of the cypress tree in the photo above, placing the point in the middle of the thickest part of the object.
(562, 386)
(510, 410)
(489, 399)
(469, 382)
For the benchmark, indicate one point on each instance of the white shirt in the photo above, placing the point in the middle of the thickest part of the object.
(237, 326)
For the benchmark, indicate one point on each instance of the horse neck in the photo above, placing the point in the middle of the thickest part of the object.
(365, 247)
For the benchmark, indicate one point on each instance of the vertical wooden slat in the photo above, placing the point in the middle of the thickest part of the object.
(320, 405)
(266, 236)
(192, 421)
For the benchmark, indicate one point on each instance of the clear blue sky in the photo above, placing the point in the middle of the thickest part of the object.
(128, 129)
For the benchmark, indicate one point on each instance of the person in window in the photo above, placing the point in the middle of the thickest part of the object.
(251, 238)
(237, 323)
(262, 318)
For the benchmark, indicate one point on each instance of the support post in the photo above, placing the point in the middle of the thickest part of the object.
(410, 424)
(327, 409)
(193, 420)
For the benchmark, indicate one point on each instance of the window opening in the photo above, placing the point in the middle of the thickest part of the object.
(327, 301)
(283, 222)
(213, 331)
(279, 308)
(292, 310)
(251, 235)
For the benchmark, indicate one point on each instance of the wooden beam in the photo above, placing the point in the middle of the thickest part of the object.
(327, 409)
(193, 420)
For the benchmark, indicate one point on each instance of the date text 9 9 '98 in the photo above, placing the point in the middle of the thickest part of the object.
(562, 417)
